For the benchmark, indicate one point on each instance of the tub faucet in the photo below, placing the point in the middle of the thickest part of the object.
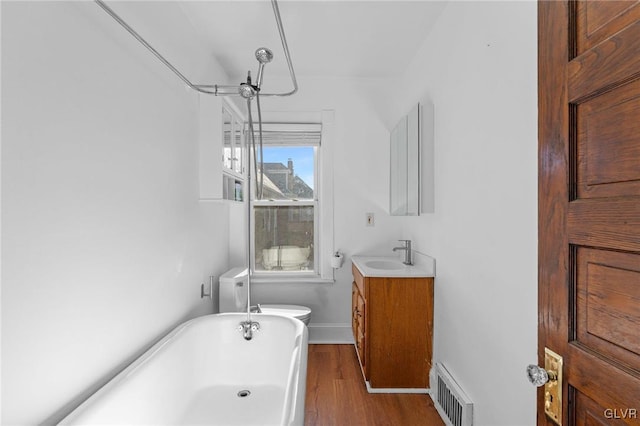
(407, 251)
(248, 328)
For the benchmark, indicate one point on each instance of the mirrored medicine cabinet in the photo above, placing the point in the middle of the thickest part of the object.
(411, 163)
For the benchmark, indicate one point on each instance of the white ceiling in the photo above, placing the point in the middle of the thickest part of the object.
(364, 39)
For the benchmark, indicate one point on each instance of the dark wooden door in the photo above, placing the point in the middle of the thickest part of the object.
(589, 206)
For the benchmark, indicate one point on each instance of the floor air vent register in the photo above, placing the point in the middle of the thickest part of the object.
(453, 405)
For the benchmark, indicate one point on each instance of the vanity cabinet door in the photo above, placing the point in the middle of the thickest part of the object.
(362, 333)
(358, 311)
(354, 309)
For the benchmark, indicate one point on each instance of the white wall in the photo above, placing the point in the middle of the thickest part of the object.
(478, 67)
(104, 243)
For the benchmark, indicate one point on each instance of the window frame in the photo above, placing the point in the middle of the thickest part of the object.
(322, 210)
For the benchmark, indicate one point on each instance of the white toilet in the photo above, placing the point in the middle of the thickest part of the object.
(233, 298)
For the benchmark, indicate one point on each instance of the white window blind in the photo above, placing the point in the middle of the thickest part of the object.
(289, 133)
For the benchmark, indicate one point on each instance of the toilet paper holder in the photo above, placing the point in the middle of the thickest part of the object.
(210, 294)
(337, 259)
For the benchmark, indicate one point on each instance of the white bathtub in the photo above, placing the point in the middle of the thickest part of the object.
(195, 373)
(289, 258)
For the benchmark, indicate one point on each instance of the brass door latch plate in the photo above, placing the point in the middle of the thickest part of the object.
(553, 387)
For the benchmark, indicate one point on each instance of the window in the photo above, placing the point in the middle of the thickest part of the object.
(287, 219)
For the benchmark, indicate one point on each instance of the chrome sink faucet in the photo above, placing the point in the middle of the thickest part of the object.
(407, 251)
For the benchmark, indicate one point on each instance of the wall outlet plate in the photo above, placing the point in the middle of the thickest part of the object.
(370, 219)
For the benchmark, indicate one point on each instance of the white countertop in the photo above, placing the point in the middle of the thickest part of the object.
(393, 267)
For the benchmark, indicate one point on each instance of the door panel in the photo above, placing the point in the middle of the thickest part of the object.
(608, 143)
(609, 63)
(608, 304)
(592, 414)
(609, 385)
(598, 20)
(589, 206)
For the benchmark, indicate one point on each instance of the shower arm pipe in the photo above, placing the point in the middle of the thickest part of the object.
(218, 90)
(215, 89)
(287, 55)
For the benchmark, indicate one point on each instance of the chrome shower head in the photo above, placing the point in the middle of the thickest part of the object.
(247, 91)
(264, 55)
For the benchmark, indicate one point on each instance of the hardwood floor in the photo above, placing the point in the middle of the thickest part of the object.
(337, 395)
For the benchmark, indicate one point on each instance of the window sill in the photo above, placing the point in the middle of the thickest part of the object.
(290, 279)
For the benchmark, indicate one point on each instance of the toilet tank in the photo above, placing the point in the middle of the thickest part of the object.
(233, 290)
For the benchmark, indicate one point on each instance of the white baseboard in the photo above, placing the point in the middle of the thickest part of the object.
(397, 390)
(333, 333)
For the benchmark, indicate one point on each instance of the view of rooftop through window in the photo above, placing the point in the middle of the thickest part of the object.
(288, 172)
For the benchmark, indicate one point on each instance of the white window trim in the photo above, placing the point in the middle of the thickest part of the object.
(323, 216)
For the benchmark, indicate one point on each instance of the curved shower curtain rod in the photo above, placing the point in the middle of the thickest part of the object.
(210, 89)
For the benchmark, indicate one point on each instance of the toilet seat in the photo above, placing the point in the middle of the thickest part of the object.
(302, 313)
(233, 298)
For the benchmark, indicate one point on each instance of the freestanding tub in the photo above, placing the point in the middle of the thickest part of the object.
(205, 372)
(289, 258)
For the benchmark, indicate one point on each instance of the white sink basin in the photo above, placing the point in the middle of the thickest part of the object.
(388, 265)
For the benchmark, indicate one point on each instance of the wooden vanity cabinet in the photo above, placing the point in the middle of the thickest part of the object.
(392, 321)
